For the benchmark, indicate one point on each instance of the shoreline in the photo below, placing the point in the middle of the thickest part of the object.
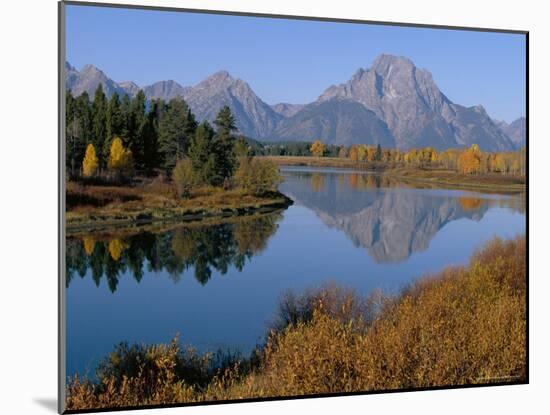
(437, 177)
(97, 221)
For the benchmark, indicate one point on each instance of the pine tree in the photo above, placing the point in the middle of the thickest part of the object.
(136, 138)
(71, 132)
(378, 154)
(78, 130)
(176, 127)
(114, 122)
(125, 115)
(224, 145)
(202, 155)
(99, 117)
(90, 163)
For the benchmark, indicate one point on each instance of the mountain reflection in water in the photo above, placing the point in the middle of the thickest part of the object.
(392, 221)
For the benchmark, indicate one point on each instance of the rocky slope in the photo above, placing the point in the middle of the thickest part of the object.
(393, 103)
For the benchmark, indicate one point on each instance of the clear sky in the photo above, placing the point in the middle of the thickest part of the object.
(291, 60)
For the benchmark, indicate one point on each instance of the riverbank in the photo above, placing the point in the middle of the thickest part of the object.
(462, 326)
(93, 207)
(451, 179)
(434, 176)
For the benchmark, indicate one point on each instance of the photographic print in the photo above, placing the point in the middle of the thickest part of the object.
(273, 207)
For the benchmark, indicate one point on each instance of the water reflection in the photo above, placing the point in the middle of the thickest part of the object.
(390, 220)
(201, 248)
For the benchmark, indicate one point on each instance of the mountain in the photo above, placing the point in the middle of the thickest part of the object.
(393, 103)
(516, 131)
(416, 112)
(165, 90)
(287, 110)
(88, 79)
(335, 122)
(254, 118)
(129, 87)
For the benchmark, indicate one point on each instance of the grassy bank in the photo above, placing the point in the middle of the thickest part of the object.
(443, 177)
(97, 206)
(464, 325)
(335, 162)
(448, 178)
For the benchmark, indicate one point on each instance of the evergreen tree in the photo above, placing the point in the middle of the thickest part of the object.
(78, 130)
(137, 129)
(148, 132)
(114, 122)
(225, 142)
(125, 115)
(176, 127)
(71, 127)
(378, 154)
(202, 156)
(99, 128)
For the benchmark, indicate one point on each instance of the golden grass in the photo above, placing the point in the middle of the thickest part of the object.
(91, 205)
(422, 175)
(464, 325)
(449, 177)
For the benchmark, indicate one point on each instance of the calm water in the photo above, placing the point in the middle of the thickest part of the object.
(218, 286)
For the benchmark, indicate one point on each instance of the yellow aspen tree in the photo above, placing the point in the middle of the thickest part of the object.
(90, 163)
(116, 247)
(89, 245)
(120, 158)
(353, 153)
(318, 149)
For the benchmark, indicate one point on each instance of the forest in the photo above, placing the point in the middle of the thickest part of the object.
(116, 140)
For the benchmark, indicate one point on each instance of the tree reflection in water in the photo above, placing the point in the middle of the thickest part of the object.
(203, 248)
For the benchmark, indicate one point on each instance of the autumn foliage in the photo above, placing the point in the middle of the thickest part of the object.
(318, 148)
(469, 161)
(465, 325)
(90, 163)
(120, 159)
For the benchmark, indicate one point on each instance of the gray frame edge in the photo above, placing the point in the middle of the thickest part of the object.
(61, 328)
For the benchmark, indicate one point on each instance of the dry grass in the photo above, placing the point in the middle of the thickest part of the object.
(421, 175)
(324, 162)
(448, 177)
(91, 205)
(465, 325)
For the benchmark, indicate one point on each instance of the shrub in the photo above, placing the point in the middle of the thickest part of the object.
(184, 177)
(465, 325)
(257, 176)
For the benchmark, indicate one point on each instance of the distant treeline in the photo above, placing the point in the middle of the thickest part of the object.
(464, 160)
(147, 137)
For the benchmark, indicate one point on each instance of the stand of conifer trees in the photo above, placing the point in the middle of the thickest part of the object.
(157, 133)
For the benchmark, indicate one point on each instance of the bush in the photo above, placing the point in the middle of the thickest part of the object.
(184, 177)
(465, 325)
(257, 176)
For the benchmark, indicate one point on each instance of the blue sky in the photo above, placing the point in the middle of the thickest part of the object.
(290, 60)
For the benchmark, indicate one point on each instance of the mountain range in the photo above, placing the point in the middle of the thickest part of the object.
(392, 103)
